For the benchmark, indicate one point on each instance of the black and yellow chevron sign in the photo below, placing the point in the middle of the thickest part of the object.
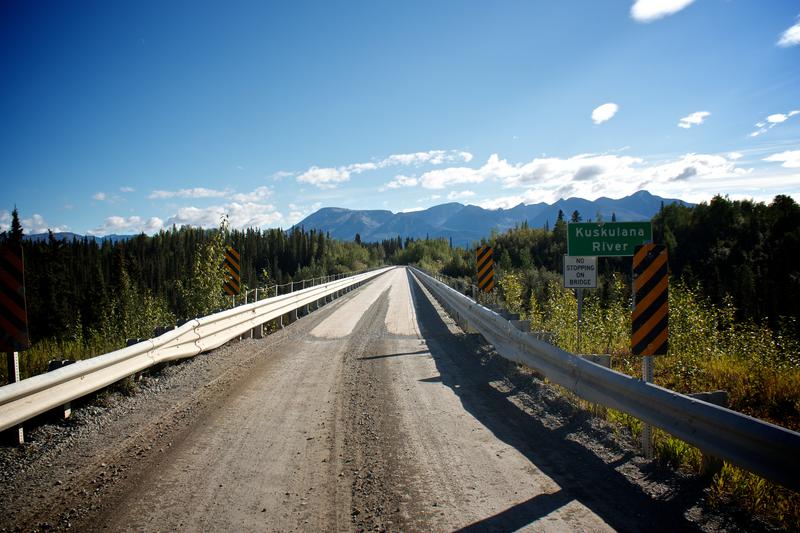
(485, 263)
(650, 317)
(232, 272)
(13, 313)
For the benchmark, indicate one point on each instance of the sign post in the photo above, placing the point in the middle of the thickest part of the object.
(580, 273)
(650, 278)
(650, 317)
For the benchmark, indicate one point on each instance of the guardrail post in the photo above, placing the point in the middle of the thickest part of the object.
(16, 435)
(710, 464)
(54, 364)
(647, 430)
(602, 359)
(469, 329)
(544, 336)
(522, 325)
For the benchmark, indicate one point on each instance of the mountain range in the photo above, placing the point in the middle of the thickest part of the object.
(466, 224)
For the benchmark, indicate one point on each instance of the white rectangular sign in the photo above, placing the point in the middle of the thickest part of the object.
(580, 272)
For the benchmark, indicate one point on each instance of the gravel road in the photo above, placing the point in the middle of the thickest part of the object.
(373, 413)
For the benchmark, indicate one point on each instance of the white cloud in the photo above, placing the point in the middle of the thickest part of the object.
(593, 175)
(5, 220)
(460, 195)
(411, 209)
(128, 225)
(604, 112)
(126, 189)
(789, 159)
(733, 156)
(196, 192)
(37, 224)
(257, 195)
(100, 196)
(433, 157)
(241, 215)
(790, 37)
(152, 225)
(400, 181)
(650, 10)
(777, 118)
(298, 212)
(278, 176)
(693, 119)
(330, 177)
(771, 121)
(252, 215)
(446, 177)
(324, 178)
(580, 168)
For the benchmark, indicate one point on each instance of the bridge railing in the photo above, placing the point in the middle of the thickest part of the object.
(267, 291)
(30, 397)
(755, 445)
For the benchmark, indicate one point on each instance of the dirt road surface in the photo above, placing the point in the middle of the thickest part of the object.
(374, 413)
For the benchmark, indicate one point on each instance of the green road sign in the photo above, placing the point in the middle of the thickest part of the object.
(607, 238)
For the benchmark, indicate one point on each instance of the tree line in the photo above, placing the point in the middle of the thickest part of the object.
(738, 252)
(82, 287)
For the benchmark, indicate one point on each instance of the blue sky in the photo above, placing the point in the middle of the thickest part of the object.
(120, 117)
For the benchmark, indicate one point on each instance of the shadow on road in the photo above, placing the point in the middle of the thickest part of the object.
(581, 474)
(371, 357)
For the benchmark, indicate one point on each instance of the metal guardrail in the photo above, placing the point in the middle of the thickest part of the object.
(760, 447)
(30, 397)
(261, 293)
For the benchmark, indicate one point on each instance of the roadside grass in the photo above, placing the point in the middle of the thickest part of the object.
(708, 350)
(34, 361)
